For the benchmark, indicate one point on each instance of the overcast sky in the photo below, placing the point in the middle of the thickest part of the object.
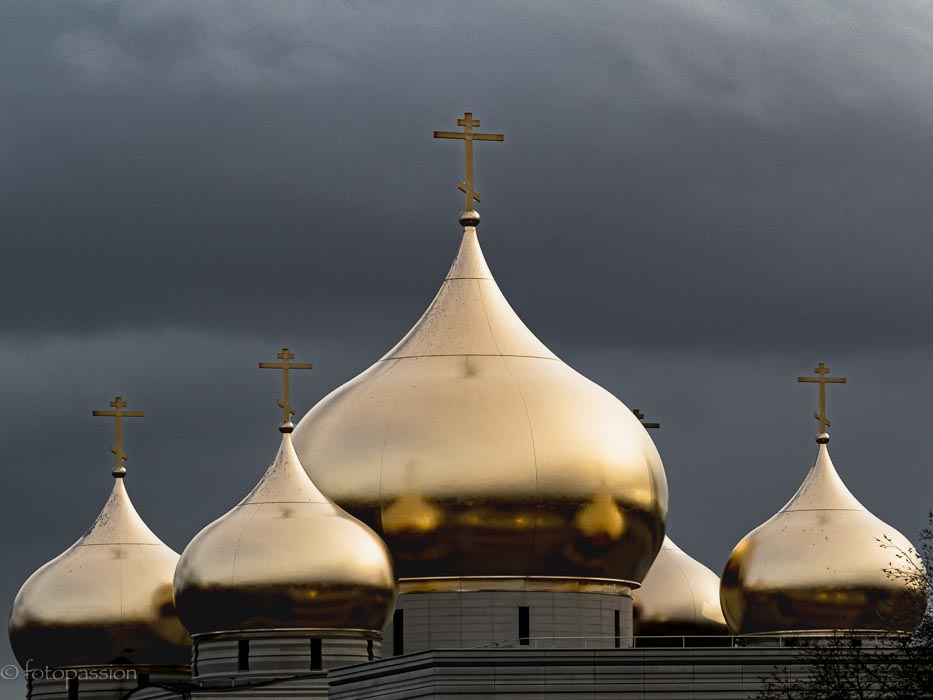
(695, 203)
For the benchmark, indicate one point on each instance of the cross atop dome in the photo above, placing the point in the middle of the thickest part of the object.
(640, 416)
(469, 217)
(821, 371)
(285, 365)
(118, 414)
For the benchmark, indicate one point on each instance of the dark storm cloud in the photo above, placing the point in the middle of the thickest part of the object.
(738, 165)
(695, 203)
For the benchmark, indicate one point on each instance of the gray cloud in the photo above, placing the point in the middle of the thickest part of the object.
(760, 156)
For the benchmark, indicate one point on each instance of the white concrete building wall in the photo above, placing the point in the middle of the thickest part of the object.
(468, 619)
(577, 674)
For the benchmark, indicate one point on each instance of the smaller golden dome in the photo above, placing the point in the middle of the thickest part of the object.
(286, 557)
(679, 596)
(106, 598)
(819, 564)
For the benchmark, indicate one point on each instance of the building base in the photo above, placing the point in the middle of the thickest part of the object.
(568, 674)
(104, 682)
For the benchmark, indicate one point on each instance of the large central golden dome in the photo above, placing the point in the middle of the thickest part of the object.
(475, 452)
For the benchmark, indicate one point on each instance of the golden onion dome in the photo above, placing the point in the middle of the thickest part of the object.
(823, 562)
(679, 596)
(286, 557)
(107, 598)
(475, 452)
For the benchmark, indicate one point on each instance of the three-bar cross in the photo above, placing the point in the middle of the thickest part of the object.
(468, 136)
(821, 371)
(118, 404)
(285, 365)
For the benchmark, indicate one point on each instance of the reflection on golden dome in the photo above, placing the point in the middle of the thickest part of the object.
(286, 557)
(601, 518)
(819, 564)
(410, 513)
(512, 463)
(106, 598)
(679, 596)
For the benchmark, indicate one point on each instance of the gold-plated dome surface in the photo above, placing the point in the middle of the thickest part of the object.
(679, 596)
(286, 557)
(475, 452)
(108, 597)
(819, 564)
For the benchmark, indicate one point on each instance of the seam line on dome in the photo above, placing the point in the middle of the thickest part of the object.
(531, 431)
(112, 544)
(274, 503)
(236, 551)
(122, 580)
(693, 595)
(492, 333)
(813, 510)
(534, 457)
(385, 441)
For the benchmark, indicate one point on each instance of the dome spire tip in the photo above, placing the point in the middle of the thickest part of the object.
(469, 218)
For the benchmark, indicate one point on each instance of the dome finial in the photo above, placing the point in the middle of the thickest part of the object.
(118, 414)
(821, 371)
(287, 411)
(469, 217)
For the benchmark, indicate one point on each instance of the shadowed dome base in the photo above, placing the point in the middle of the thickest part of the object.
(824, 610)
(468, 584)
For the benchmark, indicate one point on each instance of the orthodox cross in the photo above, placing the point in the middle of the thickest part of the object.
(639, 415)
(118, 404)
(821, 371)
(285, 365)
(468, 136)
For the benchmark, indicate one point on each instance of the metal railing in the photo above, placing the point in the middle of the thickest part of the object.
(781, 641)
